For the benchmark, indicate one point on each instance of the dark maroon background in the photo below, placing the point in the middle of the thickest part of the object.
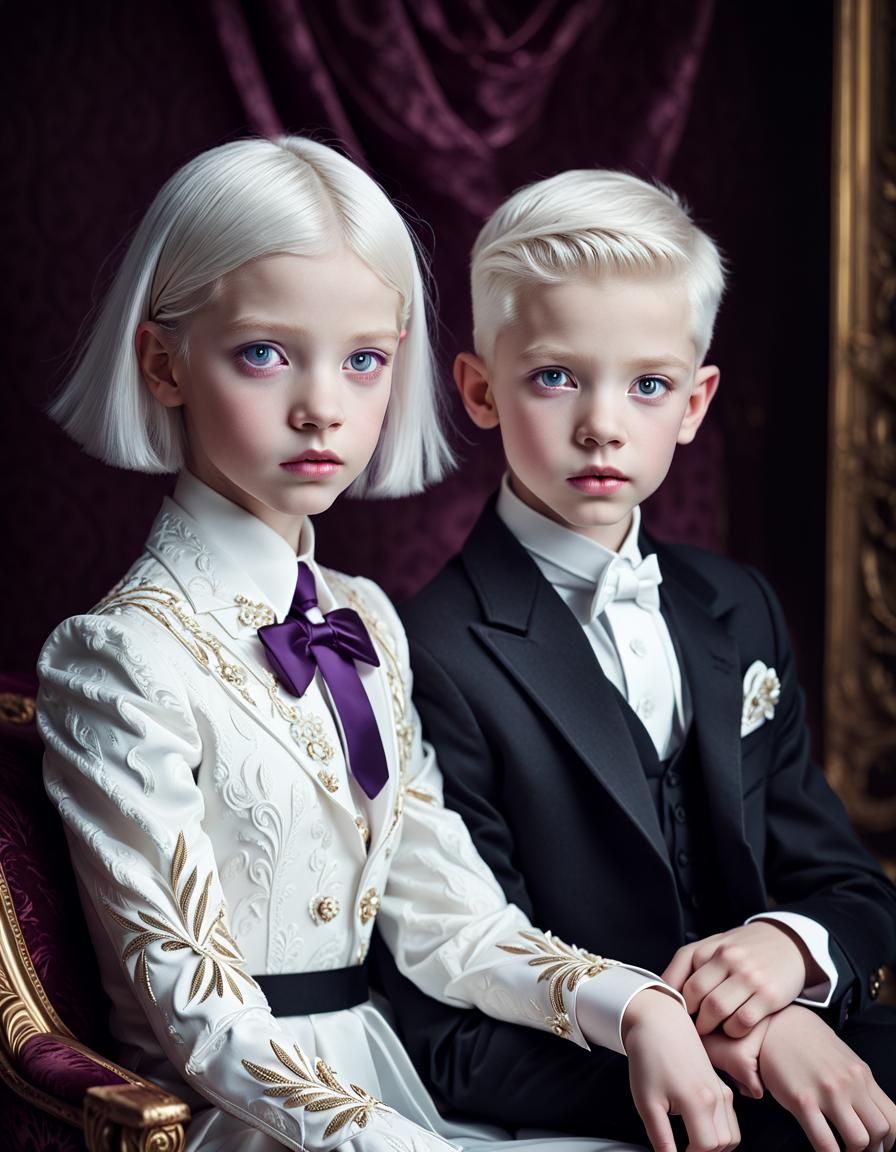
(452, 106)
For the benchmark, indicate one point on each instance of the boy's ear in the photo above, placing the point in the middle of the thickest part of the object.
(705, 384)
(471, 378)
(155, 355)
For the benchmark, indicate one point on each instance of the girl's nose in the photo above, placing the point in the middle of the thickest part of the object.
(317, 403)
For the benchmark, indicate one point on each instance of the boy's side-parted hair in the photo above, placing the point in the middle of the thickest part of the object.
(590, 221)
(229, 205)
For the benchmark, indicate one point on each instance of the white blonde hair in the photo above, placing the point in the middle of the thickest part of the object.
(230, 205)
(590, 222)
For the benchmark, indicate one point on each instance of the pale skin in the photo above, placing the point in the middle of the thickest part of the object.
(593, 385)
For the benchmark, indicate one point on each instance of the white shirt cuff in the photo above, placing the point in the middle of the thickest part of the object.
(817, 942)
(601, 1003)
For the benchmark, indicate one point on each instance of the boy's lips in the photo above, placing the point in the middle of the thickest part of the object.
(598, 481)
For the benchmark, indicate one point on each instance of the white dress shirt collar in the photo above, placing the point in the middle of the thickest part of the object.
(566, 557)
(250, 545)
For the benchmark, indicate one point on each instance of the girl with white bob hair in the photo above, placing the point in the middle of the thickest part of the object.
(229, 735)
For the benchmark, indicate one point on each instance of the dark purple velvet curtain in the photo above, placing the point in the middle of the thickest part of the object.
(452, 105)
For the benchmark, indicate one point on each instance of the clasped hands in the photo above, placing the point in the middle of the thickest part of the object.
(740, 987)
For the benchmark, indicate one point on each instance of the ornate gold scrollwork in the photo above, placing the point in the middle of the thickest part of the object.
(861, 633)
(133, 1119)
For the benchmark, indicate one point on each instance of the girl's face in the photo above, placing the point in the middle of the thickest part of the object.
(284, 383)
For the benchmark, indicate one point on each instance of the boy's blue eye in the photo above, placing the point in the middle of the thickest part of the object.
(650, 387)
(364, 362)
(552, 378)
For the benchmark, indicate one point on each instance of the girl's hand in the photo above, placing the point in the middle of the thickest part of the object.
(670, 1073)
(813, 1074)
(735, 979)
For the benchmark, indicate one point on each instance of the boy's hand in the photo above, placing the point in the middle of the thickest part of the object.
(735, 979)
(813, 1074)
(739, 1058)
(669, 1072)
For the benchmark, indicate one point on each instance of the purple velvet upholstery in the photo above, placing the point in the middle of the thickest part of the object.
(49, 1063)
(35, 860)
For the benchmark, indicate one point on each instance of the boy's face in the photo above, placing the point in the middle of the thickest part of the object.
(593, 385)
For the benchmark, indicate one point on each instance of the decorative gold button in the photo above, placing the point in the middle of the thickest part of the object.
(361, 825)
(328, 780)
(370, 905)
(324, 909)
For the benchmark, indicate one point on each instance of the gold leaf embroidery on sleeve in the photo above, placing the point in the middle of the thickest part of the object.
(315, 1088)
(564, 965)
(218, 959)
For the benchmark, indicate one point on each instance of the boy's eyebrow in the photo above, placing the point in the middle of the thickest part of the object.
(642, 364)
(667, 359)
(260, 324)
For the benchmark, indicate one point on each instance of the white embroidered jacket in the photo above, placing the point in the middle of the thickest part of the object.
(215, 832)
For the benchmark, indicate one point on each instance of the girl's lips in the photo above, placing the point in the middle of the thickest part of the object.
(313, 468)
(600, 485)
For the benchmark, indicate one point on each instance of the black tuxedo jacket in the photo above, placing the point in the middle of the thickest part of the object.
(538, 758)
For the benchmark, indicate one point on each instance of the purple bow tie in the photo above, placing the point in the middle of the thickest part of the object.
(298, 646)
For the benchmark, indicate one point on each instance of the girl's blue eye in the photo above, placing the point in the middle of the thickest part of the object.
(553, 378)
(364, 362)
(649, 387)
(260, 355)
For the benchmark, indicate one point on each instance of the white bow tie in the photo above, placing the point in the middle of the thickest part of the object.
(623, 580)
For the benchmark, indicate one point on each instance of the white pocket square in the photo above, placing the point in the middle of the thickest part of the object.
(762, 690)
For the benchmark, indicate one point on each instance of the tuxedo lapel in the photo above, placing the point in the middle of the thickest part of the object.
(711, 667)
(537, 641)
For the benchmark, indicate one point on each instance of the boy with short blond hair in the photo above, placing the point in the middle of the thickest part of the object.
(619, 720)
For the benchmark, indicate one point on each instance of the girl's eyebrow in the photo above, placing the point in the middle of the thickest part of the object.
(257, 324)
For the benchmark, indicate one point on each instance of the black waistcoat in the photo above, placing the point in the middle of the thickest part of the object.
(679, 796)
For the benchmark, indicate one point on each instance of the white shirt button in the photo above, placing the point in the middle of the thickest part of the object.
(646, 707)
(638, 647)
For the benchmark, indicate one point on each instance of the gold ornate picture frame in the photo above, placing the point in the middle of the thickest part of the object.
(860, 674)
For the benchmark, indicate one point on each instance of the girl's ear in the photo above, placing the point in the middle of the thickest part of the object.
(705, 385)
(471, 378)
(155, 355)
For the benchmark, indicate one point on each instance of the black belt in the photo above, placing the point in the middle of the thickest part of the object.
(305, 993)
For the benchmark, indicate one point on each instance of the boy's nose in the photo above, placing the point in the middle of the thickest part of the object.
(317, 404)
(600, 423)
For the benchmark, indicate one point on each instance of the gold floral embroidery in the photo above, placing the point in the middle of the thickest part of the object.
(315, 1088)
(307, 731)
(254, 614)
(171, 612)
(363, 829)
(564, 965)
(218, 955)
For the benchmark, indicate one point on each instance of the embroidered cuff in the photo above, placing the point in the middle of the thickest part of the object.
(602, 1001)
(817, 942)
